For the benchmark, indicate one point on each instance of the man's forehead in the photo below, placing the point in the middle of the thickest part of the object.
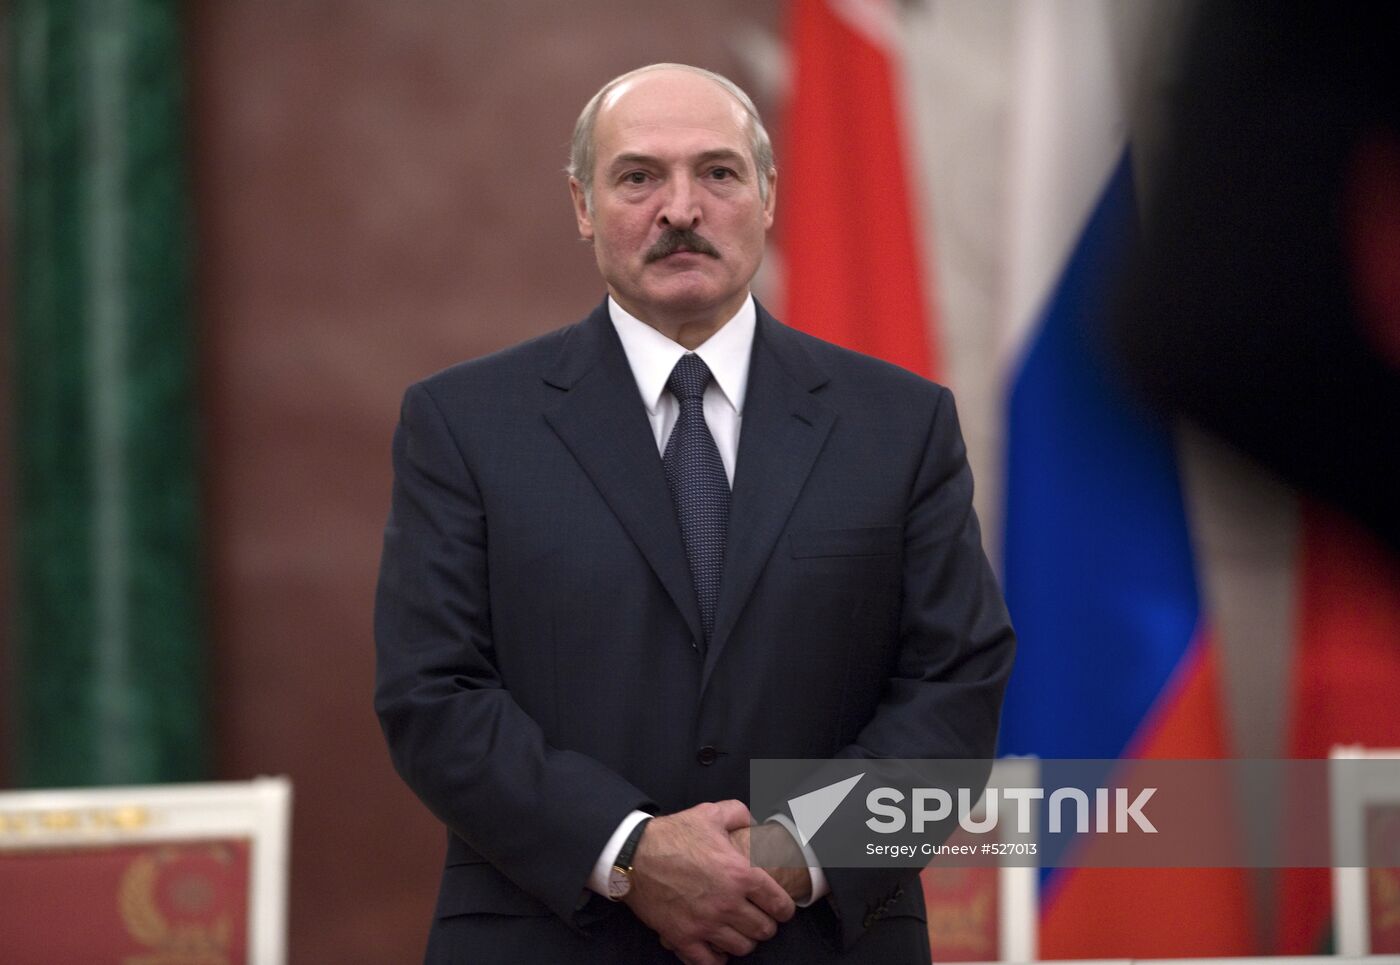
(672, 99)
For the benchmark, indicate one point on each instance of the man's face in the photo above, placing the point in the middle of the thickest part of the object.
(677, 223)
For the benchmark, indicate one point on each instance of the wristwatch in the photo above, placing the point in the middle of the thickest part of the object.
(620, 878)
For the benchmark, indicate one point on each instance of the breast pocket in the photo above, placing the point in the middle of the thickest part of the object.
(861, 541)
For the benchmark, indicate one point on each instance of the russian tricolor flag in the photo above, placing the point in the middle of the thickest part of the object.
(1115, 659)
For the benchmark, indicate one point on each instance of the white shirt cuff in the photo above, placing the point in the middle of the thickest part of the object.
(602, 868)
(814, 868)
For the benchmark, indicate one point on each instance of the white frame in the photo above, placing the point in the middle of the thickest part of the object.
(259, 810)
(1019, 906)
(1350, 899)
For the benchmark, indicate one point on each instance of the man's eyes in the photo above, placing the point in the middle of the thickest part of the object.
(718, 173)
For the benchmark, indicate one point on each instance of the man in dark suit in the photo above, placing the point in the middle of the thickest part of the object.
(628, 557)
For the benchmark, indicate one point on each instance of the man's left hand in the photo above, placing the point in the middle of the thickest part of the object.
(780, 854)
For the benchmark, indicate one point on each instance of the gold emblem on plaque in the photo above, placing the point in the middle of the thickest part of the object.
(194, 938)
(959, 920)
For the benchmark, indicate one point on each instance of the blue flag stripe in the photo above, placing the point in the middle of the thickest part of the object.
(1099, 574)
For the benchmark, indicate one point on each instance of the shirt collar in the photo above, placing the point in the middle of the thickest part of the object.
(652, 355)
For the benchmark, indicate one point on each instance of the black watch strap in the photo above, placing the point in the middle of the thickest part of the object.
(628, 851)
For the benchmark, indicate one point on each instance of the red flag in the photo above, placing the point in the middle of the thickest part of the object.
(854, 272)
(1346, 675)
(1161, 912)
(850, 241)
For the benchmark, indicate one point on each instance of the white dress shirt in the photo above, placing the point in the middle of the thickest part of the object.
(652, 356)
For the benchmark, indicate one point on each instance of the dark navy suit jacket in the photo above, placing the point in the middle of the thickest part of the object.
(541, 670)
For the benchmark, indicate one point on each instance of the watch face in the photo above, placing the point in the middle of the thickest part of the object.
(618, 884)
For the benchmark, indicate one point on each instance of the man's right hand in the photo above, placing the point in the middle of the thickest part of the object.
(693, 888)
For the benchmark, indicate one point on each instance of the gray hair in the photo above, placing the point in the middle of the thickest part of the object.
(581, 153)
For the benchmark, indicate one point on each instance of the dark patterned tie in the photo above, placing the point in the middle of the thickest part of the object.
(699, 487)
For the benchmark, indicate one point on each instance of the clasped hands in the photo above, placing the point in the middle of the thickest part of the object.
(693, 883)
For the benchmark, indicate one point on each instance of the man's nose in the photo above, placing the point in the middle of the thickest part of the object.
(681, 206)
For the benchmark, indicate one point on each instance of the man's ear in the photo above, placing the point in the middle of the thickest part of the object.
(770, 206)
(585, 220)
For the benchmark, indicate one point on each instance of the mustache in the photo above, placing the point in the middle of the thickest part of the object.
(677, 238)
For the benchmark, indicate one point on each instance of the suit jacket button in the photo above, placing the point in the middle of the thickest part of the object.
(707, 755)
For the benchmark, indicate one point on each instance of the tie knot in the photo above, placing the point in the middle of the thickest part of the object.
(689, 378)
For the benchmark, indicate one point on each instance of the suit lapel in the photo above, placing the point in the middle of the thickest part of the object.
(603, 423)
(784, 429)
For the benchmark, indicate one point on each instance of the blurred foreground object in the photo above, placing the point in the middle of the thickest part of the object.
(1265, 306)
(192, 873)
(1266, 303)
